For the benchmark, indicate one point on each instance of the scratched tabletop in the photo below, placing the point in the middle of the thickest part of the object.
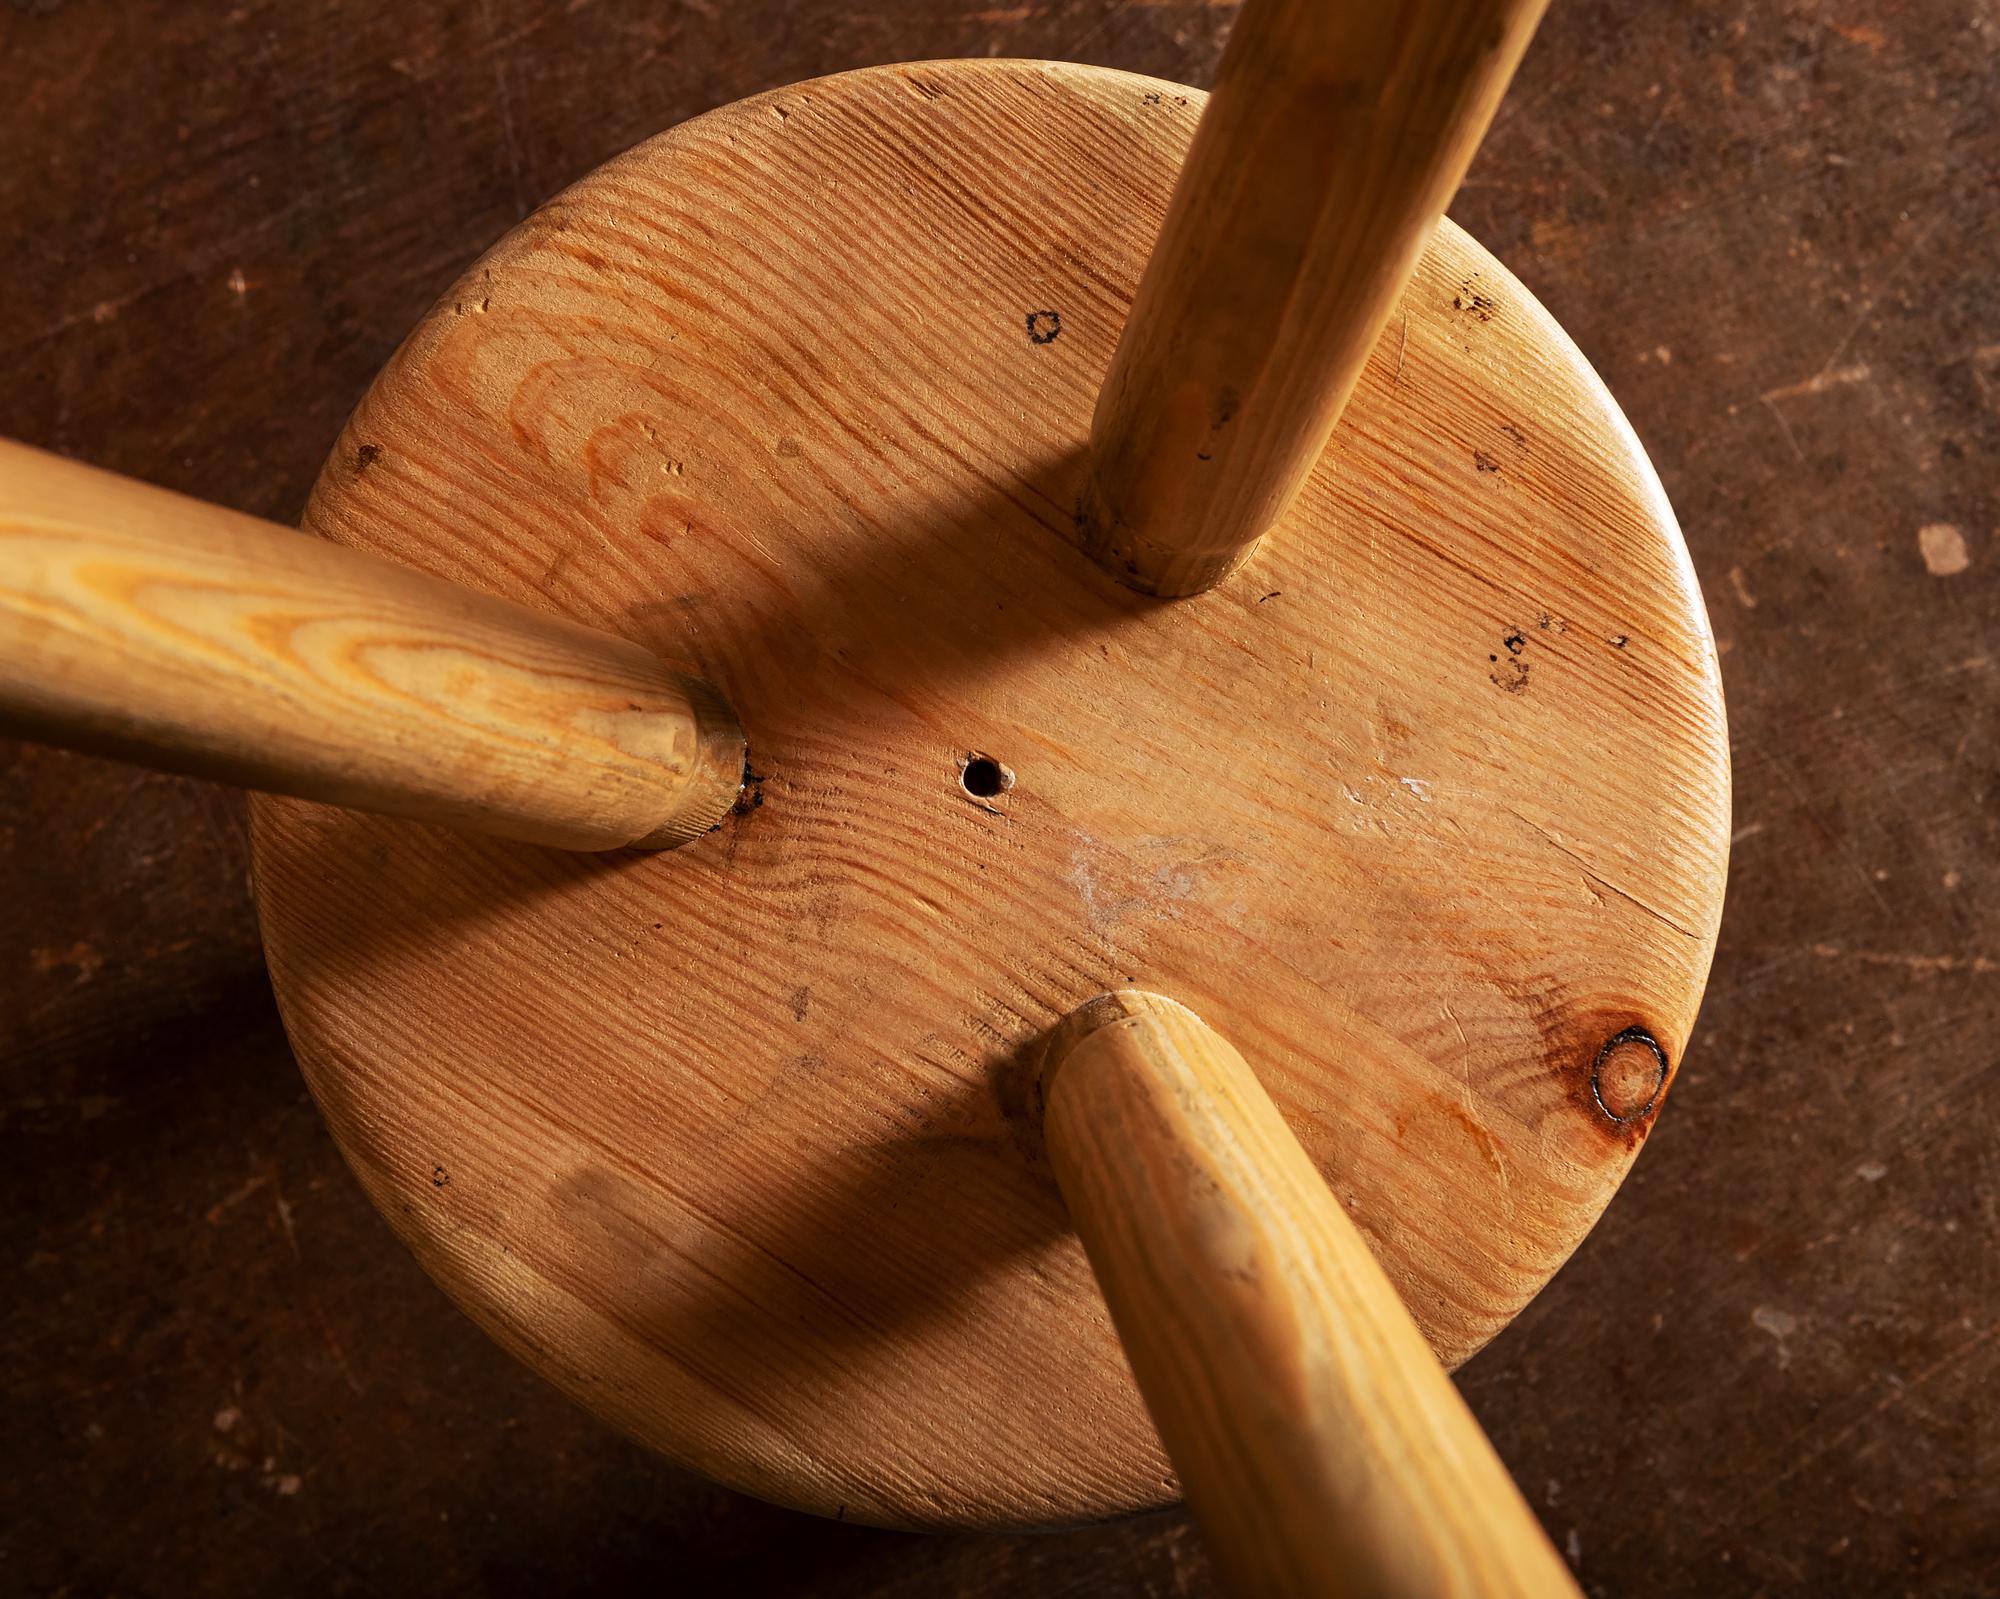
(1772, 1368)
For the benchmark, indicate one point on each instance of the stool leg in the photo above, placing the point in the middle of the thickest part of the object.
(1322, 1446)
(1337, 132)
(137, 623)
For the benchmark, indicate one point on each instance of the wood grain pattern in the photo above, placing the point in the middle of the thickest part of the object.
(143, 624)
(733, 1144)
(1334, 137)
(1323, 1448)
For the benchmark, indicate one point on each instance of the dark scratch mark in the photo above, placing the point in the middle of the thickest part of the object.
(1602, 882)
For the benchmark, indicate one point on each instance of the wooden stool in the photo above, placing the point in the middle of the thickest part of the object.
(828, 398)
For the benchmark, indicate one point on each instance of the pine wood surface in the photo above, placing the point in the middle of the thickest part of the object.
(731, 1145)
(1323, 1448)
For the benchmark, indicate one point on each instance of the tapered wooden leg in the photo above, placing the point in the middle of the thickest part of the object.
(141, 624)
(1335, 136)
(1321, 1444)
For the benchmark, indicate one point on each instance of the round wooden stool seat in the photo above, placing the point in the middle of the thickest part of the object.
(736, 1144)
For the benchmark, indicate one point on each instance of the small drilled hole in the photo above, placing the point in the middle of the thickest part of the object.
(983, 777)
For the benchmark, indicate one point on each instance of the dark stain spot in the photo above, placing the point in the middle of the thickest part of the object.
(1574, 1034)
(1227, 403)
(439, 1177)
(751, 795)
(1152, 99)
(365, 457)
(1044, 326)
(1483, 462)
(1587, 208)
(801, 1003)
(789, 448)
(1629, 1075)
(1472, 302)
(1515, 641)
(1510, 675)
(1520, 439)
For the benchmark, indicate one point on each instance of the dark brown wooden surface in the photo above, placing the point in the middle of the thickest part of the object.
(1773, 226)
